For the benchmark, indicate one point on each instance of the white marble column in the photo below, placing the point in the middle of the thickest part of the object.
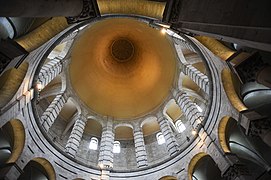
(76, 136)
(171, 142)
(106, 148)
(182, 43)
(53, 110)
(195, 75)
(49, 71)
(188, 108)
(140, 150)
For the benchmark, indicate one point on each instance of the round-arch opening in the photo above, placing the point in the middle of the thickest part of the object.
(38, 168)
(124, 148)
(251, 151)
(203, 167)
(12, 140)
(10, 82)
(168, 178)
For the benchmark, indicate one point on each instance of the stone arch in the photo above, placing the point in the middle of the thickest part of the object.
(10, 82)
(147, 119)
(222, 129)
(96, 118)
(42, 166)
(15, 134)
(248, 151)
(122, 144)
(150, 125)
(93, 127)
(124, 124)
(123, 131)
(60, 50)
(78, 107)
(66, 117)
(231, 84)
(193, 162)
(168, 178)
(203, 167)
(52, 88)
(172, 111)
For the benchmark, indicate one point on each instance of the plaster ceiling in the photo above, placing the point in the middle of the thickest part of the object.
(122, 67)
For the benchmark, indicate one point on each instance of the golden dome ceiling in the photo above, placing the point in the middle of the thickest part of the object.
(121, 67)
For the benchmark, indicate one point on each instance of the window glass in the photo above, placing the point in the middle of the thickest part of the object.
(160, 138)
(116, 147)
(93, 143)
(180, 126)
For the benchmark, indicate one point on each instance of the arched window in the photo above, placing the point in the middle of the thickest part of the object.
(93, 143)
(116, 147)
(180, 126)
(160, 138)
(198, 107)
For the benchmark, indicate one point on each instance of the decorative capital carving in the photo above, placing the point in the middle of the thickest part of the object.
(258, 126)
(172, 11)
(90, 10)
(237, 170)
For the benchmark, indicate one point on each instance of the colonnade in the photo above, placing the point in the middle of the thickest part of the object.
(51, 69)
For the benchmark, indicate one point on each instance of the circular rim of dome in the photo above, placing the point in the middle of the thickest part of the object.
(85, 23)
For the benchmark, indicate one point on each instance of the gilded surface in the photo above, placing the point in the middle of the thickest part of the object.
(19, 140)
(42, 34)
(193, 163)
(137, 7)
(222, 134)
(216, 47)
(122, 89)
(228, 84)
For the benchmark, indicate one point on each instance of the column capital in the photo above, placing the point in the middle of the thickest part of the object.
(237, 172)
(90, 10)
(257, 127)
(137, 129)
(82, 118)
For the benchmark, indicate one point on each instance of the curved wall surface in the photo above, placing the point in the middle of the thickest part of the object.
(37, 144)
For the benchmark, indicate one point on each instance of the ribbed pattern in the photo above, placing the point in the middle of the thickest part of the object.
(75, 136)
(184, 44)
(188, 108)
(171, 143)
(140, 150)
(199, 78)
(106, 148)
(51, 113)
(49, 71)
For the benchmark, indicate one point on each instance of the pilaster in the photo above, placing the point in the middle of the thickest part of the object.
(49, 71)
(188, 108)
(140, 150)
(106, 148)
(171, 143)
(76, 136)
(51, 113)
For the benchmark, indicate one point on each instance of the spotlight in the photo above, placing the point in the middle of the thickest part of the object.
(163, 30)
(194, 132)
(39, 86)
(199, 120)
(101, 165)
